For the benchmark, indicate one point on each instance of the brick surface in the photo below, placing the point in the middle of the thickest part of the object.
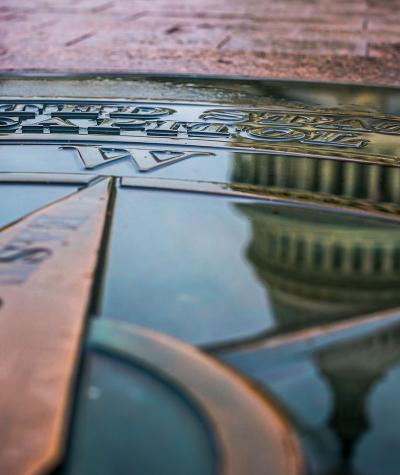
(346, 41)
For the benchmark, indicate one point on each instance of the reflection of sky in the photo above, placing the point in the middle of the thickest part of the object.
(164, 431)
(51, 159)
(37, 158)
(16, 200)
(177, 264)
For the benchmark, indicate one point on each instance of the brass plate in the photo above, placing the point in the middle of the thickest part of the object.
(44, 293)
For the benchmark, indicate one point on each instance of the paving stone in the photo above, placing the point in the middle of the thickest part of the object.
(345, 41)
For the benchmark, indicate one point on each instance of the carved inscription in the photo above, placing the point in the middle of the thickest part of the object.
(112, 118)
(145, 160)
(261, 128)
(20, 257)
(330, 121)
(271, 134)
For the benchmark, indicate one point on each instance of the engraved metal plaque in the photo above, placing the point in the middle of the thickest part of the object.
(257, 221)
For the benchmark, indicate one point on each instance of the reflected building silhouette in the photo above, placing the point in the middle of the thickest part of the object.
(317, 265)
(353, 371)
(321, 266)
(332, 96)
(320, 178)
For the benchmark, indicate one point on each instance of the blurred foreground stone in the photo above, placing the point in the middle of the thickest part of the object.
(340, 41)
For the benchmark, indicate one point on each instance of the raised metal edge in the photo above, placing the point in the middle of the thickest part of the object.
(175, 77)
(258, 193)
(47, 178)
(336, 331)
(252, 435)
(43, 310)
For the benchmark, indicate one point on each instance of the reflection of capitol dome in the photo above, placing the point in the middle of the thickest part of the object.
(337, 178)
(320, 265)
(353, 371)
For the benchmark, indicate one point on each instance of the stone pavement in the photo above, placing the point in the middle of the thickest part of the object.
(343, 40)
